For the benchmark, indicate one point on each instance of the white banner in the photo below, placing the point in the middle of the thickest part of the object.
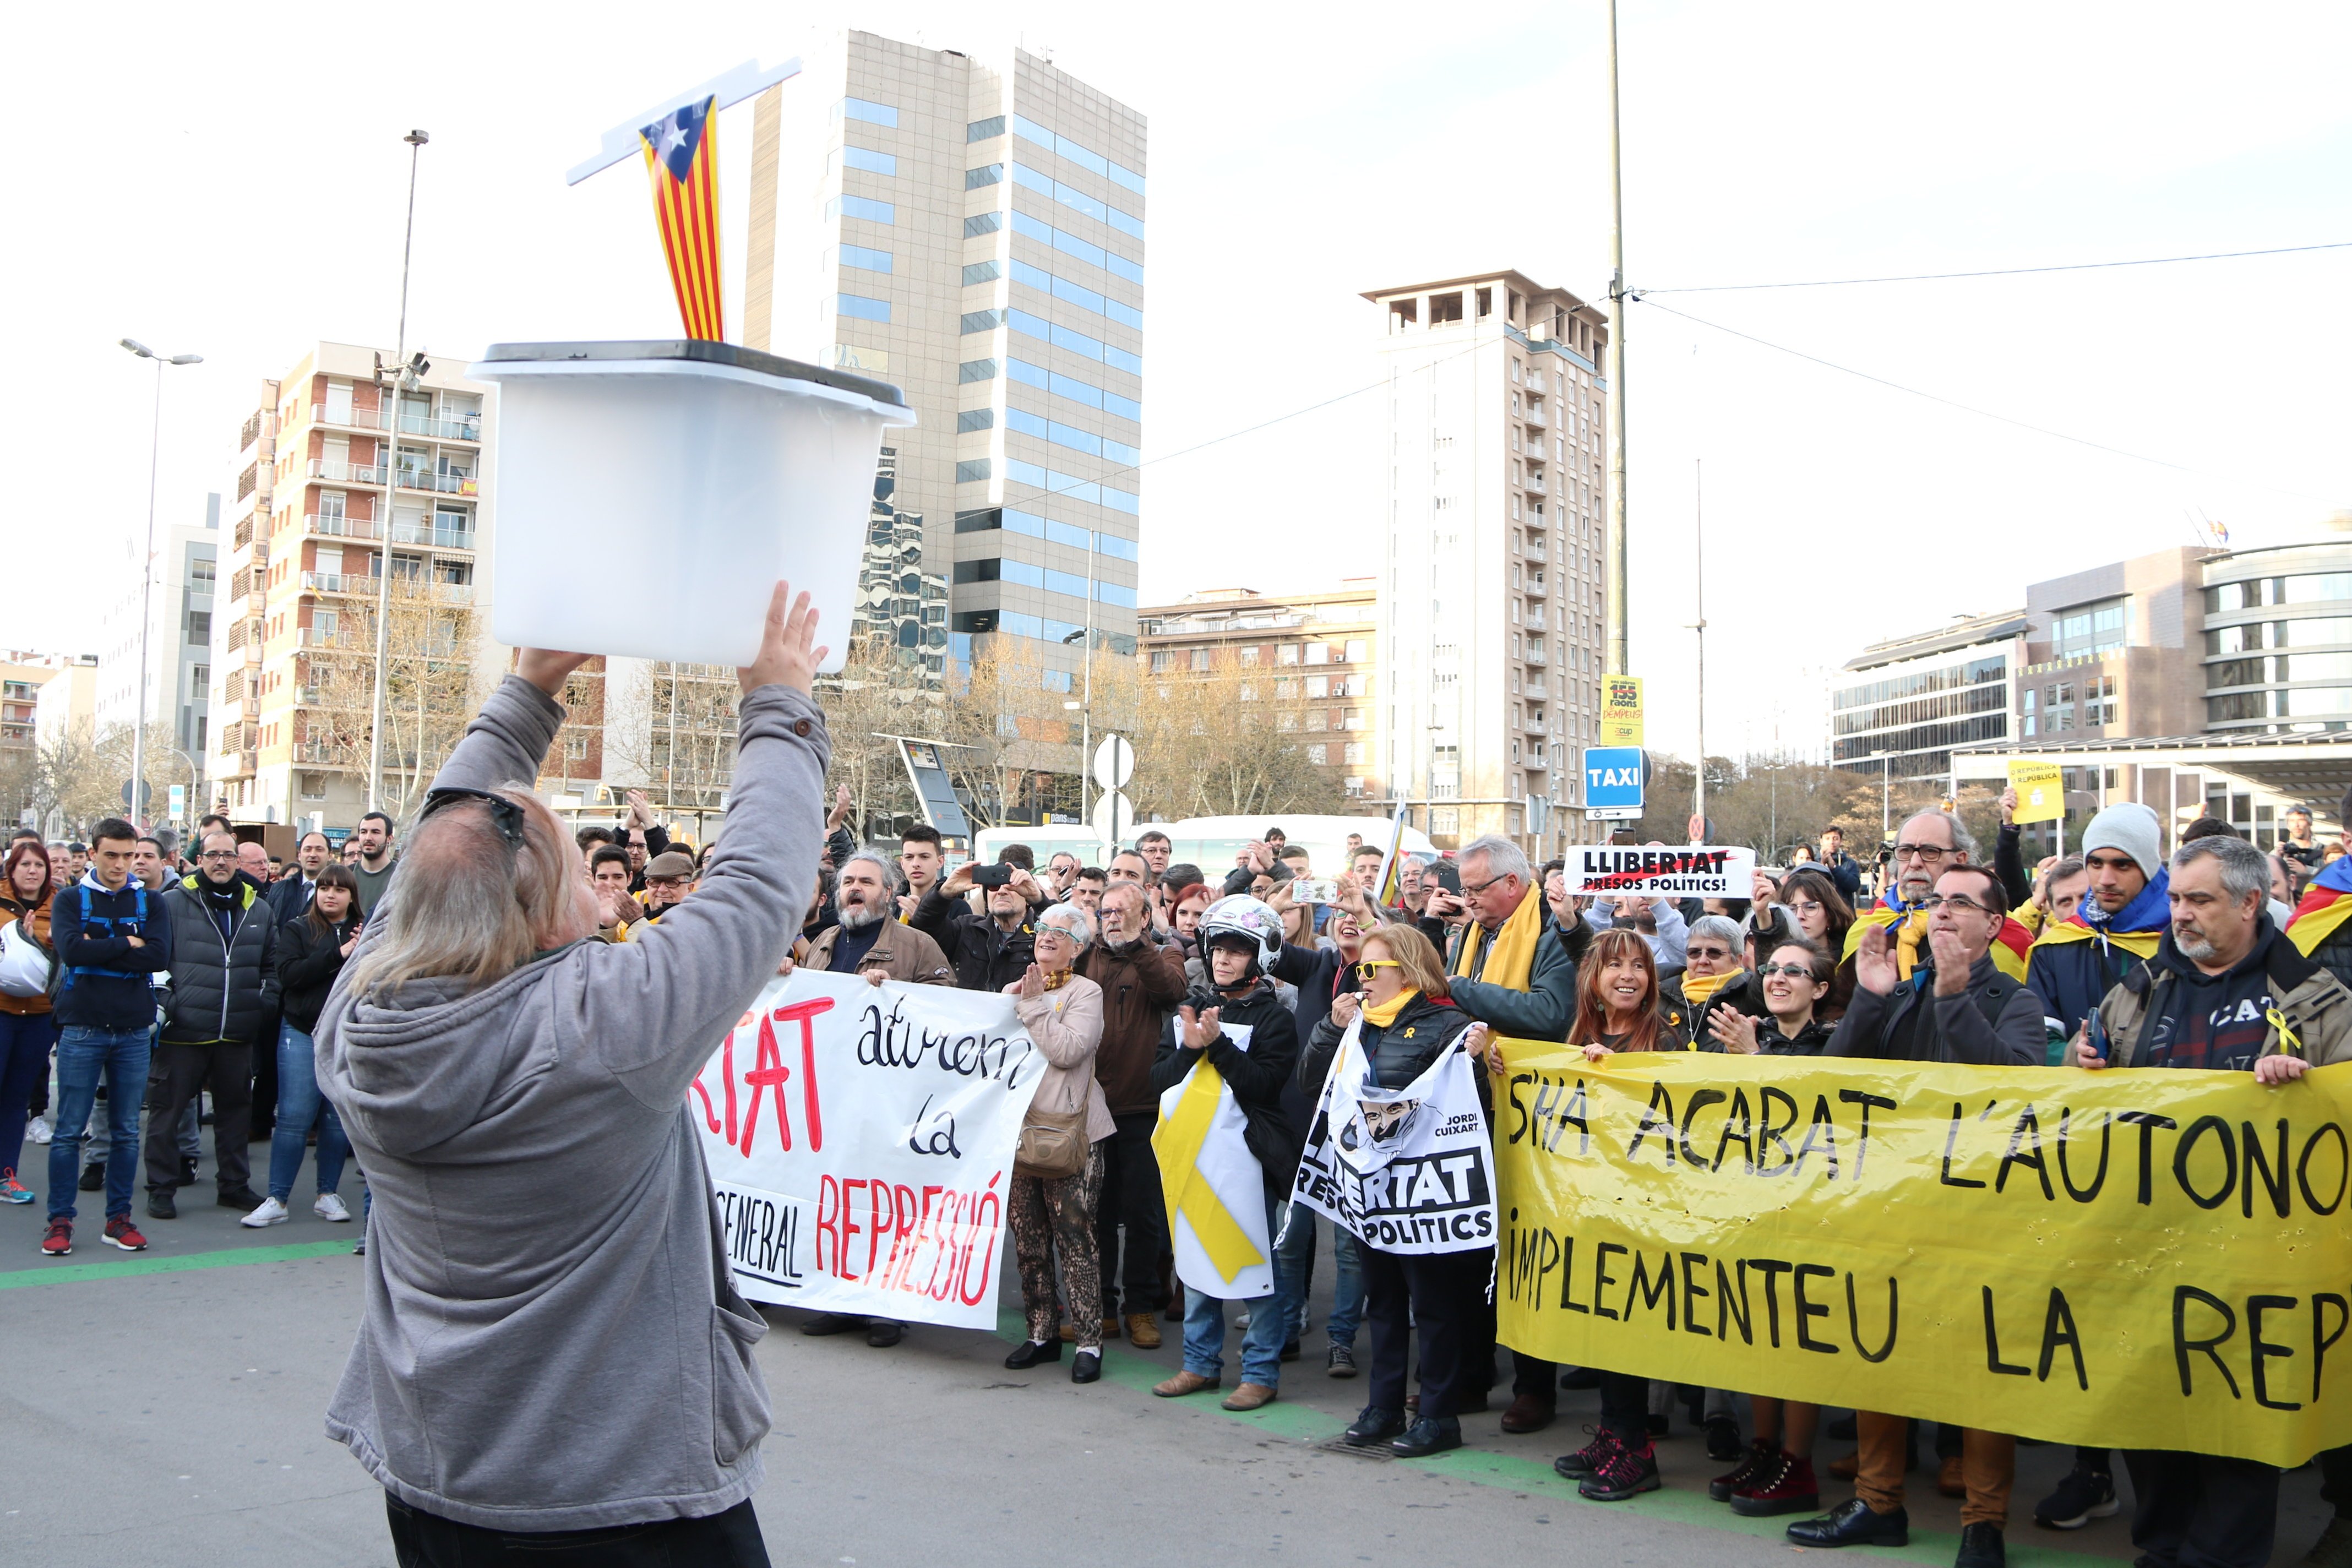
(1215, 1188)
(860, 1139)
(1409, 1170)
(1661, 871)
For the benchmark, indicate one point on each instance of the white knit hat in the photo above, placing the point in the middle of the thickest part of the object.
(2131, 827)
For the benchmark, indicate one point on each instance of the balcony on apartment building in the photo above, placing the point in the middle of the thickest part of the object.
(335, 525)
(1534, 415)
(346, 417)
(346, 473)
(422, 478)
(465, 427)
(1535, 481)
(1535, 625)
(329, 637)
(369, 585)
(1535, 653)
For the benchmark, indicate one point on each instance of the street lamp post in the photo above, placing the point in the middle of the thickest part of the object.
(391, 411)
(147, 571)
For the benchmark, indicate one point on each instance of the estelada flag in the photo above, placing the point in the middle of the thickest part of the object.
(2326, 905)
(682, 160)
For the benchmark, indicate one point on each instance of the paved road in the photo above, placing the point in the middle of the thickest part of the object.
(166, 1408)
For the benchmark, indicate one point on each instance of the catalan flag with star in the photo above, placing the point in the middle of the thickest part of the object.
(2325, 905)
(682, 159)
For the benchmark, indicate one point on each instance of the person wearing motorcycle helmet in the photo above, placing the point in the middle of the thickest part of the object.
(1238, 1024)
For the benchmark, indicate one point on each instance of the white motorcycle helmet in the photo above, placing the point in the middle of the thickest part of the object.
(1244, 916)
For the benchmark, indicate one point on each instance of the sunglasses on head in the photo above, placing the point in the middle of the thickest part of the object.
(505, 815)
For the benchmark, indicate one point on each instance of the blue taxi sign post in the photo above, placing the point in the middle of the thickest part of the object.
(1613, 780)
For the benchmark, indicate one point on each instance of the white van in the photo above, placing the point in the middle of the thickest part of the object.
(1211, 842)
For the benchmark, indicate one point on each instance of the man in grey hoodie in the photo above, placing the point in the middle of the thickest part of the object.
(553, 1346)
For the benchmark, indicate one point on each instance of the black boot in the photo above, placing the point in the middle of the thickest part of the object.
(1375, 1427)
(1982, 1547)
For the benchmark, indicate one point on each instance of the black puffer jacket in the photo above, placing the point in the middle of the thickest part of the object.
(1399, 1054)
(221, 990)
(1809, 1041)
(308, 963)
(1256, 1075)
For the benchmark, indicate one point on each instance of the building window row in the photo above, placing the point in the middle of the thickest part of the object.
(1994, 667)
(1084, 157)
(1073, 341)
(1922, 738)
(861, 307)
(872, 113)
(865, 207)
(2310, 587)
(1071, 485)
(2279, 671)
(2312, 631)
(972, 623)
(1029, 574)
(1077, 200)
(1977, 700)
(1074, 389)
(984, 520)
(866, 158)
(2321, 702)
(1061, 288)
(859, 256)
(1063, 240)
(1070, 436)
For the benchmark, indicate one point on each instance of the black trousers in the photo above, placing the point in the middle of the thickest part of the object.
(173, 1079)
(2336, 1481)
(1131, 1196)
(1529, 1374)
(1625, 1406)
(730, 1539)
(1440, 1294)
(2201, 1510)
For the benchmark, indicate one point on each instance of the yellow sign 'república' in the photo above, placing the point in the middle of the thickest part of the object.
(1621, 710)
(2041, 790)
(2138, 1260)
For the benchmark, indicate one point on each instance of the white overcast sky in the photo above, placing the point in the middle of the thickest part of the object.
(236, 190)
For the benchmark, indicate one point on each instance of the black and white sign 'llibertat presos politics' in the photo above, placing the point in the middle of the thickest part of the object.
(1661, 871)
(1408, 1170)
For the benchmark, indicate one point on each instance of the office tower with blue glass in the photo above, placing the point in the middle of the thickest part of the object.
(974, 235)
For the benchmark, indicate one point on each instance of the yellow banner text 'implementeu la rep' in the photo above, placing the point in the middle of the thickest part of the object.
(2140, 1260)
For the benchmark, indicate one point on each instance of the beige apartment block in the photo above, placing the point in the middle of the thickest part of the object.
(1492, 594)
(1315, 655)
(969, 228)
(328, 493)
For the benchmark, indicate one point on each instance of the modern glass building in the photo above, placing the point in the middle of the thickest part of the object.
(973, 232)
(2278, 637)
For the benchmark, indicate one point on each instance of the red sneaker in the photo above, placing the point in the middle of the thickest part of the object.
(59, 1241)
(1788, 1488)
(122, 1233)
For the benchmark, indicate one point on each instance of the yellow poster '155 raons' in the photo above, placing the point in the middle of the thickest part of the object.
(2138, 1260)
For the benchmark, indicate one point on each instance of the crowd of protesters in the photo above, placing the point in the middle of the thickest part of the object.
(181, 978)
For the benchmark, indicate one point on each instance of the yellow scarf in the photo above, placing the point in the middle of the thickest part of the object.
(1697, 988)
(1384, 1017)
(1909, 931)
(1514, 953)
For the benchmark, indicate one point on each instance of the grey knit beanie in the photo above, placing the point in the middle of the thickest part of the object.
(2130, 827)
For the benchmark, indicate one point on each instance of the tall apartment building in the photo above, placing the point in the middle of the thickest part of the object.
(1316, 656)
(972, 230)
(24, 677)
(328, 493)
(1492, 591)
(1899, 708)
(178, 642)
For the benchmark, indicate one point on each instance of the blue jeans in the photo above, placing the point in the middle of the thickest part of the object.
(97, 1141)
(25, 1042)
(1296, 1258)
(82, 1053)
(299, 1104)
(1270, 1316)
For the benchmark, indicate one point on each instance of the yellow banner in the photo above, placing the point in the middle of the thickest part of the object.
(1621, 710)
(2139, 1259)
(2041, 790)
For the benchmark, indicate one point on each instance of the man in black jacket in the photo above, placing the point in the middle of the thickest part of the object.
(289, 896)
(110, 936)
(988, 954)
(224, 988)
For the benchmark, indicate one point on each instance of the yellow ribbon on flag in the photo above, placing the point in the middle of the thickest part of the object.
(1177, 1142)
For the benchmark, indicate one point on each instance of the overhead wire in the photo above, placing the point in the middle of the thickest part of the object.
(1979, 413)
(1998, 271)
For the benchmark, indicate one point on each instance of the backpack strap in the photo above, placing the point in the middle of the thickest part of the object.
(1994, 998)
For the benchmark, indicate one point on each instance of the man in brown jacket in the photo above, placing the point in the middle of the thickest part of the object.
(868, 938)
(1140, 981)
(870, 941)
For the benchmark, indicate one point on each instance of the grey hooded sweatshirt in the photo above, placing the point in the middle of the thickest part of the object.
(552, 1341)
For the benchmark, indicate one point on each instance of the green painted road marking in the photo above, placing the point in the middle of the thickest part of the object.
(72, 1273)
(1532, 1476)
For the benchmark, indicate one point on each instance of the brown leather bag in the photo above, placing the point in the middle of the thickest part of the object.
(1054, 1143)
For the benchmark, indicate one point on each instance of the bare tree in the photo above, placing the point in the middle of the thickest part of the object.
(1235, 739)
(432, 636)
